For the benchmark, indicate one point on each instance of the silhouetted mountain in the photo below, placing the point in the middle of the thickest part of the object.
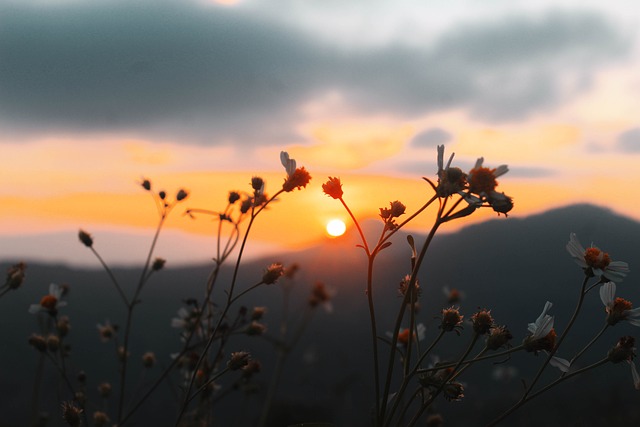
(511, 266)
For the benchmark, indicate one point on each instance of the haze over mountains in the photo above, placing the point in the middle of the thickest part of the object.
(511, 266)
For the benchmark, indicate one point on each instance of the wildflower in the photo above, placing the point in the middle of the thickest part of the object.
(321, 296)
(435, 420)
(71, 414)
(288, 163)
(15, 275)
(106, 331)
(624, 351)
(85, 238)
(403, 287)
(257, 184)
(100, 419)
(146, 184)
(618, 308)
(451, 320)
(148, 359)
(182, 194)
(453, 295)
(291, 271)
(450, 180)
(482, 322)
(53, 343)
(595, 262)
(482, 181)
(543, 338)
(403, 335)
(453, 391)
(49, 303)
(394, 211)
(251, 368)
(158, 264)
(63, 325)
(272, 274)
(38, 342)
(238, 360)
(104, 389)
(234, 196)
(299, 179)
(186, 319)
(255, 328)
(333, 188)
(500, 202)
(258, 312)
(499, 336)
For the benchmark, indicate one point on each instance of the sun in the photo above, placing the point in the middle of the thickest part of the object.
(336, 227)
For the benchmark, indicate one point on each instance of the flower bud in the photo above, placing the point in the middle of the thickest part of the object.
(85, 238)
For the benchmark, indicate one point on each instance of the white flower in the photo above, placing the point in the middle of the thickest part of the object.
(560, 363)
(403, 335)
(543, 324)
(596, 262)
(49, 303)
(618, 308)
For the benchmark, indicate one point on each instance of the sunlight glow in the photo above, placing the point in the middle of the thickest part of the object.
(336, 227)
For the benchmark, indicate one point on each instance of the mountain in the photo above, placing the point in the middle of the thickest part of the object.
(511, 266)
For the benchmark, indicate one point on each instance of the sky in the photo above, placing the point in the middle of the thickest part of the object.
(202, 95)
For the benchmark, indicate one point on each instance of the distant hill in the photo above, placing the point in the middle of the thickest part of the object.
(511, 266)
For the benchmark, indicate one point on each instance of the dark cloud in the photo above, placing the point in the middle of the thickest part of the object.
(431, 138)
(176, 70)
(629, 141)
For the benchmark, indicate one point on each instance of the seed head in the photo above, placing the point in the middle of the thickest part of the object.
(273, 273)
(238, 360)
(85, 238)
(333, 188)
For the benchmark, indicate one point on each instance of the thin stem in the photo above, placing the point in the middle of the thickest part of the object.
(525, 399)
(474, 360)
(435, 394)
(598, 335)
(111, 276)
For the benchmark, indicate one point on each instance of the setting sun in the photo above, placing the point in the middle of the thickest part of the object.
(336, 227)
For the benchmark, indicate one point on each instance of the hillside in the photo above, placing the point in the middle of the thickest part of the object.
(511, 266)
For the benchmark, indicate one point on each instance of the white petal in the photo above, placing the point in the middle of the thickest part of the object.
(576, 249)
(560, 363)
(544, 328)
(440, 157)
(479, 163)
(55, 290)
(547, 307)
(501, 170)
(634, 322)
(421, 331)
(35, 308)
(608, 293)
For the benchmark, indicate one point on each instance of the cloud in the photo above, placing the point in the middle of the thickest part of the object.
(629, 141)
(431, 138)
(182, 71)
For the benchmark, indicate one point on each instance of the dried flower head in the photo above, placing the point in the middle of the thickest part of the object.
(53, 343)
(104, 389)
(403, 287)
(451, 320)
(451, 180)
(85, 238)
(435, 420)
(272, 273)
(258, 312)
(257, 184)
(482, 181)
(106, 331)
(38, 342)
(15, 275)
(238, 360)
(182, 194)
(482, 322)
(251, 368)
(395, 210)
(320, 295)
(158, 264)
(146, 184)
(333, 188)
(149, 359)
(255, 328)
(499, 336)
(100, 419)
(298, 179)
(234, 196)
(453, 391)
(63, 326)
(500, 202)
(71, 414)
(623, 351)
